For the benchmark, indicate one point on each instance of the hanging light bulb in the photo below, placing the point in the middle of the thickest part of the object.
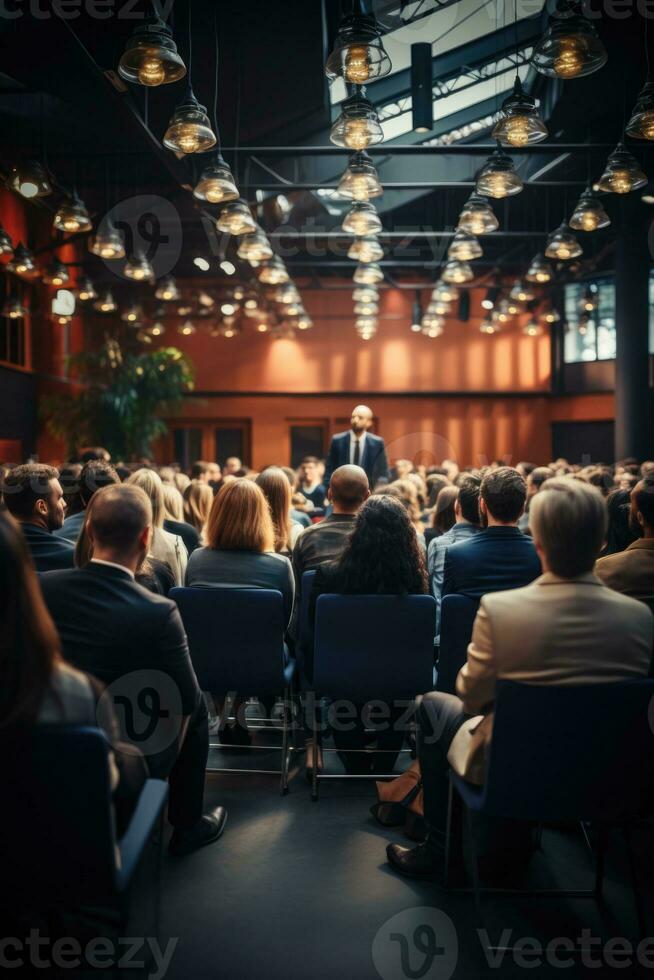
(502, 312)
(464, 247)
(590, 300)
(151, 57)
(432, 326)
(366, 309)
(361, 220)
(498, 177)
(488, 325)
(56, 274)
(187, 329)
(365, 294)
(189, 130)
(274, 272)
(108, 242)
(570, 48)
(167, 290)
(216, 183)
(22, 263)
(360, 181)
(445, 292)
(539, 270)
(304, 322)
(367, 274)
(72, 216)
(532, 328)
(622, 173)
(477, 217)
(133, 314)
(6, 244)
(157, 329)
(255, 247)
(13, 309)
(641, 124)
(519, 123)
(513, 307)
(138, 267)
(521, 293)
(358, 55)
(552, 315)
(490, 299)
(236, 218)
(365, 250)
(438, 308)
(86, 290)
(563, 245)
(457, 272)
(287, 294)
(589, 215)
(358, 125)
(105, 303)
(30, 180)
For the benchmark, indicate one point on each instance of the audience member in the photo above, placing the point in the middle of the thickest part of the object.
(409, 497)
(620, 532)
(566, 628)
(435, 483)
(233, 466)
(198, 498)
(442, 516)
(174, 521)
(534, 480)
(163, 545)
(277, 491)
(632, 571)
(93, 475)
(298, 500)
(401, 469)
(524, 469)
(69, 479)
(34, 497)
(309, 483)
(205, 472)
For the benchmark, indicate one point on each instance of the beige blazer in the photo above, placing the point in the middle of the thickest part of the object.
(630, 571)
(553, 631)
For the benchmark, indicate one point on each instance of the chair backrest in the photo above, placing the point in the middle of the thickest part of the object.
(57, 835)
(457, 618)
(373, 647)
(579, 752)
(236, 638)
(304, 629)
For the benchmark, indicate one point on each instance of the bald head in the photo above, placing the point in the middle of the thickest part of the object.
(361, 419)
(348, 488)
(119, 520)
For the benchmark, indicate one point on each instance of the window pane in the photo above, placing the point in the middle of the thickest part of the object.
(591, 336)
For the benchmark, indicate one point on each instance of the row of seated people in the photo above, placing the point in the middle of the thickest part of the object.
(561, 626)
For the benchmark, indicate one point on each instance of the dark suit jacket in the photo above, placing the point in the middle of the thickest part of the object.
(496, 559)
(374, 460)
(48, 551)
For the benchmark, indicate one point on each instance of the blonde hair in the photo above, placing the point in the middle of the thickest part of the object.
(409, 496)
(198, 498)
(277, 491)
(240, 519)
(569, 520)
(150, 481)
(173, 502)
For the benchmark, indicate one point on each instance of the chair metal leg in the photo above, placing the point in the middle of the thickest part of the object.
(317, 753)
(635, 886)
(285, 750)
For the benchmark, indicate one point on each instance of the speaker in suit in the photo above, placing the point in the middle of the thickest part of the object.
(372, 456)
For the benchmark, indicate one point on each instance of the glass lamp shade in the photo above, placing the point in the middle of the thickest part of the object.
(86, 290)
(365, 294)
(365, 250)
(133, 314)
(216, 183)
(56, 274)
(498, 177)
(151, 57)
(367, 274)
(438, 308)
(367, 333)
(304, 322)
(361, 220)
(589, 301)
(365, 322)
(105, 303)
(255, 247)
(22, 263)
(167, 290)
(72, 216)
(445, 292)
(366, 309)
(502, 311)
(589, 215)
(513, 306)
(30, 180)
(187, 329)
(358, 55)
(457, 272)
(563, 245)
(622, 173)
(13, 309)
(287, 294)
(532, 328)
(157, 329)
(488, 325)
(432, 326)
(360, 181)
(521, 293)
(273, 273)
(477, 217)
(464, 247)
(641, 124)
(358, 125)
(539, 271)
(138, 268)
(552, 316)
(570, 48)
(108, 242)
(6, 244)
(189, 130)
(519, 123)
(236, 219)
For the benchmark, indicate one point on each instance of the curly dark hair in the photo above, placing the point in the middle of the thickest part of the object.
(383, 556)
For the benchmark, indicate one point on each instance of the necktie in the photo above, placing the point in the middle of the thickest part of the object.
(357, 452)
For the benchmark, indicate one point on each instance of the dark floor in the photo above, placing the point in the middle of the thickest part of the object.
(300, 890)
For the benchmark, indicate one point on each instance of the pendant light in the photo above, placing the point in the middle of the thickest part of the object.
(563, 245)
(22, 263)
(366, 309)
(519, 124)
(187, 329)
(590, 300)
(358, 55)
(477, 216)
(367, 274)
(56, 274)
(445, 292)
(108, 242)
(216, 183)
(532, 328)
(255, 247)
(521, 293)
(273, 273)
(438, 308)
(287, 294)
(490, 299)
(539, 271)
(498, 177)
(236, 218)
(105, 303)
(133, 314)
(432, 326)
(358, 125)
(30, 180)
(86, 290)
(151, 57)
(360, 182)
(304, 322)
(167, 290)
(488, 325)
(362, 219)
(641, 124)
(464, 247)
(365, 250)
(622, 173)
(570, 48)
(6, 244)
(13, 309)
(512, 306)
(552, 315)
(72, 216)
(365, 294)
(502, 312)
(189, 129)
(157, 329)
(457, 272)
(138, 267)
(589, 215)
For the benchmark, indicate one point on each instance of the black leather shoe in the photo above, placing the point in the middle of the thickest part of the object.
(206, 831)
(415, 862)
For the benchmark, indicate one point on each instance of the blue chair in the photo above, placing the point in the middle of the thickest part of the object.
(370, 648)
(57, 838)
(457, 618)
(304, 626)
(236, 640)
(582, 753)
